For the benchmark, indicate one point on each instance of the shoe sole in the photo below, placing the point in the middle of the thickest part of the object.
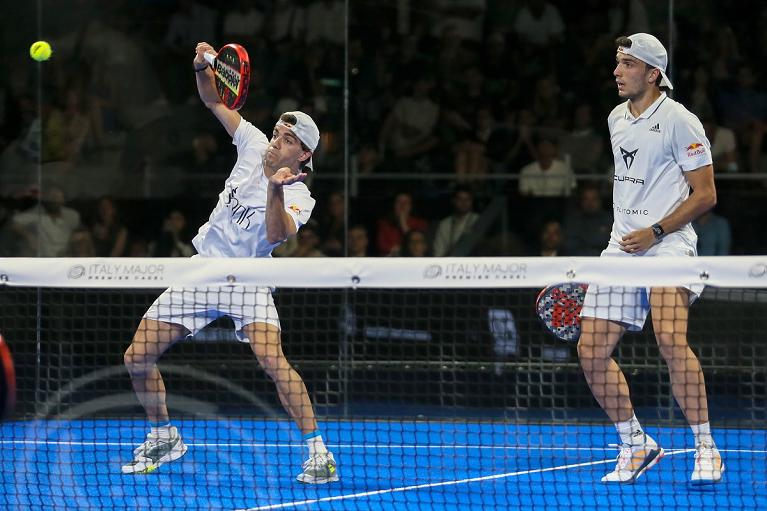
(171, 456)
(702, 482)
(301, 478)
(650, 461)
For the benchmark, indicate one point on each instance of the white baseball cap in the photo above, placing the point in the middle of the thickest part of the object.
(650, 50)
(305, 129)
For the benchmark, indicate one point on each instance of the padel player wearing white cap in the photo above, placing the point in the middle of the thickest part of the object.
(263, 202)
(660, 152)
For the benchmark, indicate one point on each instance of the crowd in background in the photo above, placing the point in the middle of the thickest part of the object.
(507, 98)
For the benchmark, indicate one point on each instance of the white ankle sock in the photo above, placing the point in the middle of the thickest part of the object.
(315, 443)
(702, 433)
(631, 431)
(162, 431)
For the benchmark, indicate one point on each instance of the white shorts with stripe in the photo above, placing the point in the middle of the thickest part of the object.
(195, 308)
(630, 305)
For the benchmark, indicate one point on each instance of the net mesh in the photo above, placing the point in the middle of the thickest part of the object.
(431, 391)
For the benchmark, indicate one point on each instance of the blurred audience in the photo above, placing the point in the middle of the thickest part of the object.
(392, 229)
(451, 229)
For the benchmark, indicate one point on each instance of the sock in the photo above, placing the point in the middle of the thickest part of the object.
(160, 429)
(315, 443)
(702, 433)
(631, 431)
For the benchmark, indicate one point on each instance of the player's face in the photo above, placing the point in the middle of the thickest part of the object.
(632, 76)
(285, 149)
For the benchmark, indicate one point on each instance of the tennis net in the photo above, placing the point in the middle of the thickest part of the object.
(434, 382)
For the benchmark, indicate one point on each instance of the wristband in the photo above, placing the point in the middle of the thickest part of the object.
(200, 70)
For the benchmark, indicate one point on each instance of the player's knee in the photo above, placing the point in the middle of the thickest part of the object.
(135, 363)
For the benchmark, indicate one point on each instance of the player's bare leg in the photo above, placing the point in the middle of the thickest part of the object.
(670, 312)
(608, 384)
(163, 443)
(266, 343)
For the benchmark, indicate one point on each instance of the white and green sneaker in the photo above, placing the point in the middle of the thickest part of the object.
(155, 451)
(319, 469)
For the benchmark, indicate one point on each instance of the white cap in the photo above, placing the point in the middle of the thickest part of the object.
(648, 49)
(305, 129)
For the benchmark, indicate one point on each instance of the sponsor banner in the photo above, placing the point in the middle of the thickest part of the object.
(392, 272)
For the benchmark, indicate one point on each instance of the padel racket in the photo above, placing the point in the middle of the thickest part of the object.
(7, 381)
(559, 307)
(231, 68)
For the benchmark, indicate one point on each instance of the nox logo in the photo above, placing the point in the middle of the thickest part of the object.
(656, 128)
(628, 156)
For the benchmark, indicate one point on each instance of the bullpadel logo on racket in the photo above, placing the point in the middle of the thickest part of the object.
(466, 271)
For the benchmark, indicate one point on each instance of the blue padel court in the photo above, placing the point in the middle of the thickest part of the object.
(415, 465)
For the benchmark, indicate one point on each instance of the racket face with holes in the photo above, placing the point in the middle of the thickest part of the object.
(232, 71)
(559, 307)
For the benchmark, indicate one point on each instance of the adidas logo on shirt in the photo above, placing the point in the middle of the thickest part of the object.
(655, 128)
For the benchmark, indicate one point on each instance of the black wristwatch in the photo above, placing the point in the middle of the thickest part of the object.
(658, 231)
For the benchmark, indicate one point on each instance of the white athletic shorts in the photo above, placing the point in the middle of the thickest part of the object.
(630, 305)
(195, 308)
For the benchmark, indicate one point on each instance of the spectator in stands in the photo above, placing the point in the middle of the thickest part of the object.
(408, 133)
(81, 244)
(550, 240)
(243, 22)
(539, 24)
(54, 221)
(11, 239)
(451, 229)
(547, 176)
(744, 109)
(308, 241)
(174, 240)
(511, 144)
(587, 229)
(724, 149)
(286, 21)
(414, 244)
(327, 22)
(109, 235)
(714, 235)
(359, 241)
(583, 146)
(332, 225)
(392, 229)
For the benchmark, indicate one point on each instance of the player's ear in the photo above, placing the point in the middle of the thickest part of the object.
(305, 156)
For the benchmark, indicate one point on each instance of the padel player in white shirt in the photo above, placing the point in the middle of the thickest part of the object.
(660, 152)
(263, 202)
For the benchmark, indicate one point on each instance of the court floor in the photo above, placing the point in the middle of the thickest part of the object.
(250, 464)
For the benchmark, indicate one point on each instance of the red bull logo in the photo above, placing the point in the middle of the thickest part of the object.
(295, 209)
(695, 149)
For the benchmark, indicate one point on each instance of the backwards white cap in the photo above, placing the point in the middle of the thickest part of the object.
(305, 129)
(650, 50)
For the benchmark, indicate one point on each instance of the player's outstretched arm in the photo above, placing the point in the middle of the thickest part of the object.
(279, 224)
(206, 88)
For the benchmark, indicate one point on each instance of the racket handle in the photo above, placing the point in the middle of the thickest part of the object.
(210, 58)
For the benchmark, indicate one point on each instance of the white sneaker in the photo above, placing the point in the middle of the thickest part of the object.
(708, 465)
(154, 452)
(319, 469)
(633, 461)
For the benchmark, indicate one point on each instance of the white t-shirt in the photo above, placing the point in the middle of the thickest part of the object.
(652, 153)
(237, 227)
(556, 181)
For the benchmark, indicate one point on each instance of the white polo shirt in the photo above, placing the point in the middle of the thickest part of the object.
(652, 152)
(237, 227)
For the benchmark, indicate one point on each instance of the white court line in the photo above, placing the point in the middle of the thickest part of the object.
(443, 483)
(350, 446)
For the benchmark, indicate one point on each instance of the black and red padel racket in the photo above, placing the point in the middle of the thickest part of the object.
(231, 67)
